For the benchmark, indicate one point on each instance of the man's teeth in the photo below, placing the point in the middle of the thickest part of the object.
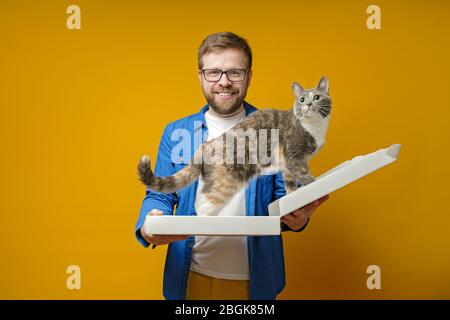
(225, 94)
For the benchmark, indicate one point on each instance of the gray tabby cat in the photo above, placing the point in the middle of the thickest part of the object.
(301, 134)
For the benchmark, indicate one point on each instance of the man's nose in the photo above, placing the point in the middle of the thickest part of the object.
(224, 81)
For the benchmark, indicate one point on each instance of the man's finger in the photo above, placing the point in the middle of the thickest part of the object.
(298, 212)
(292, 221)
(307, 209)
(164, 239)
(316, 203)
(323, 199)
(180, 237)
(312, 205)
(288, 219)
(168, 238)
(155, 212)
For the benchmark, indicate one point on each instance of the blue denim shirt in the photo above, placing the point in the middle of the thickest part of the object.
(265, 253)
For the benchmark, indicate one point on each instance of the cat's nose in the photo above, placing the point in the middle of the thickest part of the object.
(309, 104)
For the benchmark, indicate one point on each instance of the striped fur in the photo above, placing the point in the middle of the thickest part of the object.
(166, 184)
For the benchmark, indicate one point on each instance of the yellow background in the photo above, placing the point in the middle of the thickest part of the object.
(79, 107)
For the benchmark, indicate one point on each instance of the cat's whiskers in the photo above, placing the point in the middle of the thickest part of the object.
(321, 112)
(298, 116)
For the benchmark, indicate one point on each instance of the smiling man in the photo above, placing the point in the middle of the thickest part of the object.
(206, 267)
(224, 94)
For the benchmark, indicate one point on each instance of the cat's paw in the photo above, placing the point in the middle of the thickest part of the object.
(290, 190)
(290, 185)
(307, 180)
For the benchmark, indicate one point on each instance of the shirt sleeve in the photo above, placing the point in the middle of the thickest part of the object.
(158, 200)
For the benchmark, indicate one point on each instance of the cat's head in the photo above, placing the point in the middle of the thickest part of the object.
(312, 104)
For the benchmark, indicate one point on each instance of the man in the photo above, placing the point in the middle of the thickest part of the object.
(203, 267)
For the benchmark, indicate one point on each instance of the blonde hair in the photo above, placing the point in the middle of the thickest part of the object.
(223, 40)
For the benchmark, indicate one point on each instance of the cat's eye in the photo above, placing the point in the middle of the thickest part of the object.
(302, 99)
(316, 97)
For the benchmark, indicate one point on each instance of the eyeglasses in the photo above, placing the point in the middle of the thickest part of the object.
(214, 75)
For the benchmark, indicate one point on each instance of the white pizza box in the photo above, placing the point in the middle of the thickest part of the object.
(336, 178)
(213, 225)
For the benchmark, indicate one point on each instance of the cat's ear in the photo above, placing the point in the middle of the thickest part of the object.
(324, 85)
(298, 89)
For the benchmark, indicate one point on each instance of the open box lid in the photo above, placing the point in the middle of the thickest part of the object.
(336, 178)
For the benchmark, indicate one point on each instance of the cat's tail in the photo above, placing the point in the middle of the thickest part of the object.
(167, 184)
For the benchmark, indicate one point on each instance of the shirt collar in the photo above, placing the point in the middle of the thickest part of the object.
(201, 115)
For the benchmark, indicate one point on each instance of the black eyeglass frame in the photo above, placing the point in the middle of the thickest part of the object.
(203, 71)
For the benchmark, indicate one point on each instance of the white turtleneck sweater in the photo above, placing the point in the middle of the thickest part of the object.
(224, 257)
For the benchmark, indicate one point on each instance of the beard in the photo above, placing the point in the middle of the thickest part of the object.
(224, 107)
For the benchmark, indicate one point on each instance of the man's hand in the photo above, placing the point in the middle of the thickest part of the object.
(297, 219)
(162, 238)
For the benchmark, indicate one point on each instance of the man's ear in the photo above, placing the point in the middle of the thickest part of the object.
(249, 76)
(200, 75)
